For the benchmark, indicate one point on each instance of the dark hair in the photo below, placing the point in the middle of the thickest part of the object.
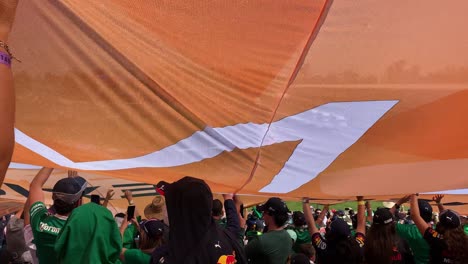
(217, 209)
(346, 250)
(147, 242)
(380, 241)
(457, 242)
(63, 208)
(280, 219)
(307, 249)
(120, 215)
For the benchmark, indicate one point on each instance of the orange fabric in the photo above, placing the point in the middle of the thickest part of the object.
(121, 80)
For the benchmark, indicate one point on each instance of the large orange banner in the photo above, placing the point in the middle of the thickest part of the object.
(324, 99)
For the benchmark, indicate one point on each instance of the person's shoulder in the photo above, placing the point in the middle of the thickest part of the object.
(38, 208)
(408, 231)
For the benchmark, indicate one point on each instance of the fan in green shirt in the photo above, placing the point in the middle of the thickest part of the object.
(274, 246)
(45, 228)
(90, 235)
(46, 225)
(411, 233)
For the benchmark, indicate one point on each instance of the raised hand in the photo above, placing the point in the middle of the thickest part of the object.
(438, 198)
(72, 174)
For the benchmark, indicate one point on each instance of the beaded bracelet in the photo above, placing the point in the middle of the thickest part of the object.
(5, 59)
(7, 49)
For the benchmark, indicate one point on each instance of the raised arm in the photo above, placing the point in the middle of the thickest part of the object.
(361, 217)
(369, 217)
(308, 216)
(438, 199)
(109, 195)
(322, 214)
(7, 92)
(397, 205)
(35, 190)
(415, 215)
(232, 219)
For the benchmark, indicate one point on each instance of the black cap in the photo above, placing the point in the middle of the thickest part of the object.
(153, 227)
(274, 206)
(425, 210)
(339, 228)
(449, 219)
(383, 216)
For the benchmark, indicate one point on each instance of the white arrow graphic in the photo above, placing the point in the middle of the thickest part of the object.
(325, 132)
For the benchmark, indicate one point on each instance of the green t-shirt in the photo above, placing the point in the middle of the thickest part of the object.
(416, 242)
(273, 247)
(136, 256)
(466, 229)
(303, 237)
(45, 228)
(90, 235)
(128, 239)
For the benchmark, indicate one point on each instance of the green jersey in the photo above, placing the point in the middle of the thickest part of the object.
(136, 256)
(416, 242)
(466, 229)
(90, 235)
(273, 247)
(45, 228)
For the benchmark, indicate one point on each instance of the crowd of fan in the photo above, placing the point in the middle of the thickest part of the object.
(185, 225)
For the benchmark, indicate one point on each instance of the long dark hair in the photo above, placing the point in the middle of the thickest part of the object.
(347, 250)
(457, 242)
(380, 242)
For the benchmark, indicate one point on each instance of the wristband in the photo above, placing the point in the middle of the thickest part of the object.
(361, 203)
(5, 59)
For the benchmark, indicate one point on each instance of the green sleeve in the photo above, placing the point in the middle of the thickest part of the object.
(136, 256)
(38, 211)
(128, 239)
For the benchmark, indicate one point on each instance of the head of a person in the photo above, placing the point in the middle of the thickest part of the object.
(346, 247)
(425, 210)
(119, 218)
(381, 237)
(308, 250)
(152, 234)
(189, 204)
(338, 230)
(275, 212)
(217, 209)
(453, 234)
(67, 194)
(298, 218)
(157, 209)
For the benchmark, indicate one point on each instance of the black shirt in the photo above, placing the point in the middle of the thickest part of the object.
(439, 249)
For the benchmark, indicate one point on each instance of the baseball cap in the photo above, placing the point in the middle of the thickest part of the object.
(153, 227)
(274, 206)
(449, 219)
(69, 190)
(298, 218)
(339, 228)
(382, 216)
(425, 210)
